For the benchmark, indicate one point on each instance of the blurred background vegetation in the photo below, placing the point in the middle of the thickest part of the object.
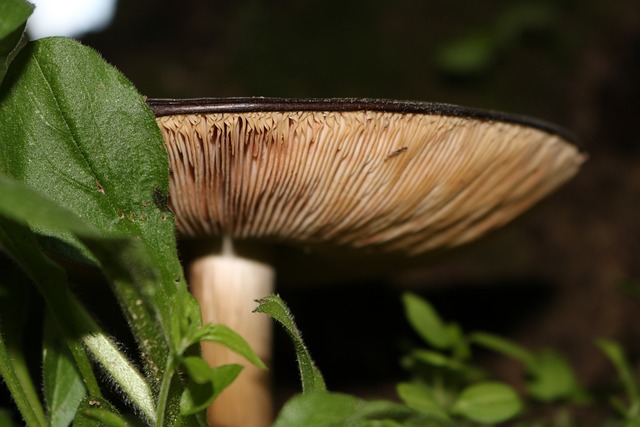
(561, 276)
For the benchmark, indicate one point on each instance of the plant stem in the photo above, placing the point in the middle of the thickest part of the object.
(163, 396)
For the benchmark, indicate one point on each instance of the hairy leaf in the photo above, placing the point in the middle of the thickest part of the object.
(80, 132)
(230, 339)
(310, 375)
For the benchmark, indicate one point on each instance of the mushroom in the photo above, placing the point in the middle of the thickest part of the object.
(358, 173)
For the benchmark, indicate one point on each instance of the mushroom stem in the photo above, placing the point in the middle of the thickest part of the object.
(226, 286)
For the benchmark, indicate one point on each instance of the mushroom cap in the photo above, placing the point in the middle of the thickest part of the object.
(389, 175)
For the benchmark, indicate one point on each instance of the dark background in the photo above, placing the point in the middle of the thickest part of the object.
(560, 276)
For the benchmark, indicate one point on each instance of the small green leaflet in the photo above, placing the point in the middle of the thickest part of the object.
(310, 375)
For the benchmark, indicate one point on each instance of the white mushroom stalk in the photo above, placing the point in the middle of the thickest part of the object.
(226, 286)
(387, 175)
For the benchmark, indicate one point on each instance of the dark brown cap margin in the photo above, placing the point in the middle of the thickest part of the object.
(165, 107)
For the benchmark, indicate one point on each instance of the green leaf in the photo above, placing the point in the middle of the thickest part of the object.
(420, 398)
(18, 204)
(322, 409)
(461, 348)
(210, 382)
(6, 420)
(617, 357)
(106, 418)
(80, 132)
(310, 375)
(13, 15)
(551, 377)
(488, 402)
(439, 360)
(471, 54)
(504, 346)
(15, 292)
(33, 415)
(94, 412)
(426, 322)
(197, 368)
(62, 383)
(230, 339)
(50, 280)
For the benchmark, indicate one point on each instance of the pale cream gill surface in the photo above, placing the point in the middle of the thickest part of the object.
(394, 181)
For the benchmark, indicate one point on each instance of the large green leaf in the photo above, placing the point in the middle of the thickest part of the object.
(13, 15)
(310, 375)
(76, 129)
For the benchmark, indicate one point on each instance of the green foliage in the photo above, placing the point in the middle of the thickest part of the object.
(75, 129)
(94, 412)
(62, 383)
(447, 384)
(206, 383)
(426, 322)
(310, 375)
(487, 402)
(316, 407)
(549, 375)
(477, 50)
(422, 399)
(14, 14)
(322, 409)
(630, 410)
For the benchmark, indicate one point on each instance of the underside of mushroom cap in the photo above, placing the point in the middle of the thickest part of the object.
(407, 181)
